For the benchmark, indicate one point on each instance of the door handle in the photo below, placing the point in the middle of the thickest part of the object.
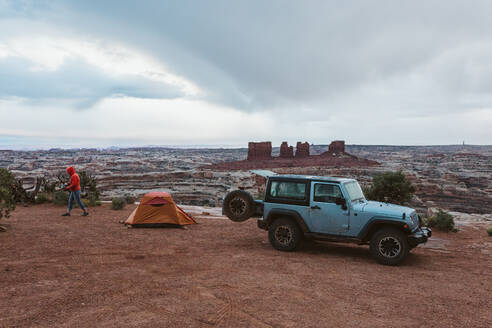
(315, 207)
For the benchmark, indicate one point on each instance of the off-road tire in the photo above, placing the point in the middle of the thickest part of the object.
(389, 246)
(284, 234)
(239, 205)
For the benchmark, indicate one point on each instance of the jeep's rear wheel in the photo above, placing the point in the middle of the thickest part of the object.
(389, 246)
(284, 234)
(239, 205)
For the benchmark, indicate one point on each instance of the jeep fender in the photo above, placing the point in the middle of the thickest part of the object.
(375, 223)
(276, 213)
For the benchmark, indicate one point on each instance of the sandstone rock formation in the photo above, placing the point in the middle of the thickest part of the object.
(260, 157)
(286, 151)
(302, 150)
(259, 150)
(337, 146)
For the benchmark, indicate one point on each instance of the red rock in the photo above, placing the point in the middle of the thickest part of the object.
(286, 151)
(302, 150)
(259, 150)
(337, 146)
(260, 157)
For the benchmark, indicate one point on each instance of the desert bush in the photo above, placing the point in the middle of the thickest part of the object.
(88, 185)
(48, 185)
(93, 200)
(60, 198)
(441, 221)
(130, 199)
(391, 187)
(43, 197)
(7, 198)
(489, 231)
(118, 203)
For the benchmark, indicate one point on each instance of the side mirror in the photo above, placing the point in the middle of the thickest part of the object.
(342, 202)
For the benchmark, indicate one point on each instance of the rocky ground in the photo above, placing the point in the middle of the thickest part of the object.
(94, 272)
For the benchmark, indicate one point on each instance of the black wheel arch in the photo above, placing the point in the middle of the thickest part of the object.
(285, 213)
(378, 223)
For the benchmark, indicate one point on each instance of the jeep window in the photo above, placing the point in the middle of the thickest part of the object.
(354, 191)
(288, 190)
(326, 193)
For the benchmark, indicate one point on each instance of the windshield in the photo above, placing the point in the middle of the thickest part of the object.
(354, 191)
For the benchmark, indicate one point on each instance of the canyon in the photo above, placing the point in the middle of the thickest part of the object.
(455, 177)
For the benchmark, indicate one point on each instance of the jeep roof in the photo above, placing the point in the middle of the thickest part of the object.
(311, 177)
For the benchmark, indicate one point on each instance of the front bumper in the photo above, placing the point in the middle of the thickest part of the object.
(420, 236)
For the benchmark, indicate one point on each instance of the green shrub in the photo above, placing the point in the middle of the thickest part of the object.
(118, 203)
(60, 198)
(489, 231)
(93, 200)
(130, 199)
(441, 221)
(43, 197)
(391, 187)
(7, 197)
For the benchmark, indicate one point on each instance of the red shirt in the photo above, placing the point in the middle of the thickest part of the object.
(74, 183)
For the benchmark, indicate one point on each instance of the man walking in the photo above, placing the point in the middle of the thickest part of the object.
(74, 188)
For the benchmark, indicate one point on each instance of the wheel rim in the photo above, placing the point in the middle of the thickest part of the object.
(283, 235)
(389, 247)
(238, 206)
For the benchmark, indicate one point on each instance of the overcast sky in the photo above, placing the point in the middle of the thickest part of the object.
(102, 73)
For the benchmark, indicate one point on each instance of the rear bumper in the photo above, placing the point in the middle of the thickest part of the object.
(420, 236)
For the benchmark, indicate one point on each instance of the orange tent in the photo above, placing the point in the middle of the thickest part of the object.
(158, 209)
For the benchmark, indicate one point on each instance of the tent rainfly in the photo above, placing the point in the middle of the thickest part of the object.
(158, 209)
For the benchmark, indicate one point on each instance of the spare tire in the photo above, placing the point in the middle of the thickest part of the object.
(239, 205)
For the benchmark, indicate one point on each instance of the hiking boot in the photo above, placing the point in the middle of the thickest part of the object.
(66, 214)
(85, 214)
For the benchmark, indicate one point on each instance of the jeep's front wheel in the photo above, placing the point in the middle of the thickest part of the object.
(284, 234)
(389, 246)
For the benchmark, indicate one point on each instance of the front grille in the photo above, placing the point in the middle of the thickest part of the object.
(415, 218)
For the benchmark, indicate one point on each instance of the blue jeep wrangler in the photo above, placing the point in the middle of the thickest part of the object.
(300, 207)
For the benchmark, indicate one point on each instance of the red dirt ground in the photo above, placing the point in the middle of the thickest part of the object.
(94, 272)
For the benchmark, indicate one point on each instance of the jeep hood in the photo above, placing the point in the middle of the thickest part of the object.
(386, 209)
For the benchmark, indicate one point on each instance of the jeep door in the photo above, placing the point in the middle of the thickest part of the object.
(326, 215)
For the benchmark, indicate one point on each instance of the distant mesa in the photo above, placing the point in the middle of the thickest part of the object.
(259, 150)
(286, 151)
(260, 157)
(337, 146)
(302, 150)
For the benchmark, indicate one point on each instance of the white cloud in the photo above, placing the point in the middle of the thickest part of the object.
(48, 54)
(157, 121)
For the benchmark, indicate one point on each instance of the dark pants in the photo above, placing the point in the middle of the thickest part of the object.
(76, 195)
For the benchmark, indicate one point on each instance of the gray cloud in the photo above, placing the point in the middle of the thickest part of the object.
(76, 81)
(259, 54)
(311, 59)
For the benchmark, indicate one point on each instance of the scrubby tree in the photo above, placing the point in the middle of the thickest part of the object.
(7, 197)
(442, 221)
(391, 187)
(88, 185)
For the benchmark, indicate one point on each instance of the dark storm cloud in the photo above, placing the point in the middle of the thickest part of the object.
(258, 54)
